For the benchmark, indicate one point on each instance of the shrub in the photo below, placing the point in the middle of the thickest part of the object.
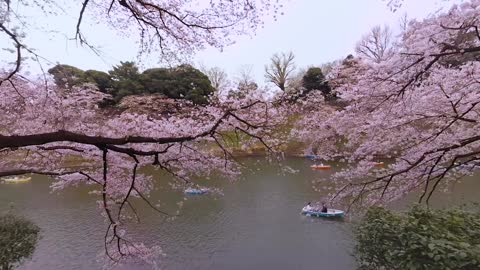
(418, 239)
(182, 82)
(18, 238)
(66, 76)
(101, 79)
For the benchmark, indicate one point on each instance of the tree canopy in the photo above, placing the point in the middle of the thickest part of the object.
(315, 80)
(125, 79)
(182, 82)
(101, 79)
(66, 76)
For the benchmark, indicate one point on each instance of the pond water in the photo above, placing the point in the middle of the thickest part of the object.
(256, 224)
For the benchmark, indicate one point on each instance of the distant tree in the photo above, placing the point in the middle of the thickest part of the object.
(182, 82)
(295, 85)
(403, 22)
(329, 66)
(343, 71)
(377, 44)
(219, 80)
(191, 83)
(66, 76)
(126, 80)
(244, 89)
(124, 71)
(217, 76)
(280, 69)
(102, 79)
(245, 83)
(245, 75)
(418, 239)
(315, 80)
(18, 238)
(157, 80)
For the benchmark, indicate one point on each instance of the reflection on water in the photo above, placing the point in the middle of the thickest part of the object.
(255, 225)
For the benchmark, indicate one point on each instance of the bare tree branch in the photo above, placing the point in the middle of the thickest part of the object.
(280, 69)
(376, 45)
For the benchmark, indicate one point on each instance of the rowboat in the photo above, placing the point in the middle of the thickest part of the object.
(16, 179)
(312, 157)
(317, 213)
(196, 191)
(321, 167)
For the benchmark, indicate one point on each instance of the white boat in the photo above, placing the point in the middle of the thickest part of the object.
(16, 179)
(314, 212)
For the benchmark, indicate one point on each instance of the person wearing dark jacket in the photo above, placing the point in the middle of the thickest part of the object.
(324, 208)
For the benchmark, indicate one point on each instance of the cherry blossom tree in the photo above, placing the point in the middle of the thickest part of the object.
(419, 109)
(42, 126)
(41, 129)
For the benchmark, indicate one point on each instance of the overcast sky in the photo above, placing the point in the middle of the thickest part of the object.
(316, 31)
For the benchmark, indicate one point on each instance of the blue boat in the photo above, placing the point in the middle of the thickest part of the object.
(312, 157)
(196, 191)
(317, 213)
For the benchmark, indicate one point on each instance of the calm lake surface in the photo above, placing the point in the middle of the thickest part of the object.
(255, 225)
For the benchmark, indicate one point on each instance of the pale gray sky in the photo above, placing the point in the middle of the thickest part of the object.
(316, 31)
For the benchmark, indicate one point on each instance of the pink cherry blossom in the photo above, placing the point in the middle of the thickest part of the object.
(418, 109)
(43, 127)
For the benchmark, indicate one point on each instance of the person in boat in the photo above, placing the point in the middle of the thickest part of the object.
(324, 208)
(308, 207)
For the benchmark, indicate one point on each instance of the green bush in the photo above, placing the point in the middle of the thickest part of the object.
(315, 80)
(18, 238)
(125, 79)
(66, 76)
(182, 82)
(418, 239)
(102, 79)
